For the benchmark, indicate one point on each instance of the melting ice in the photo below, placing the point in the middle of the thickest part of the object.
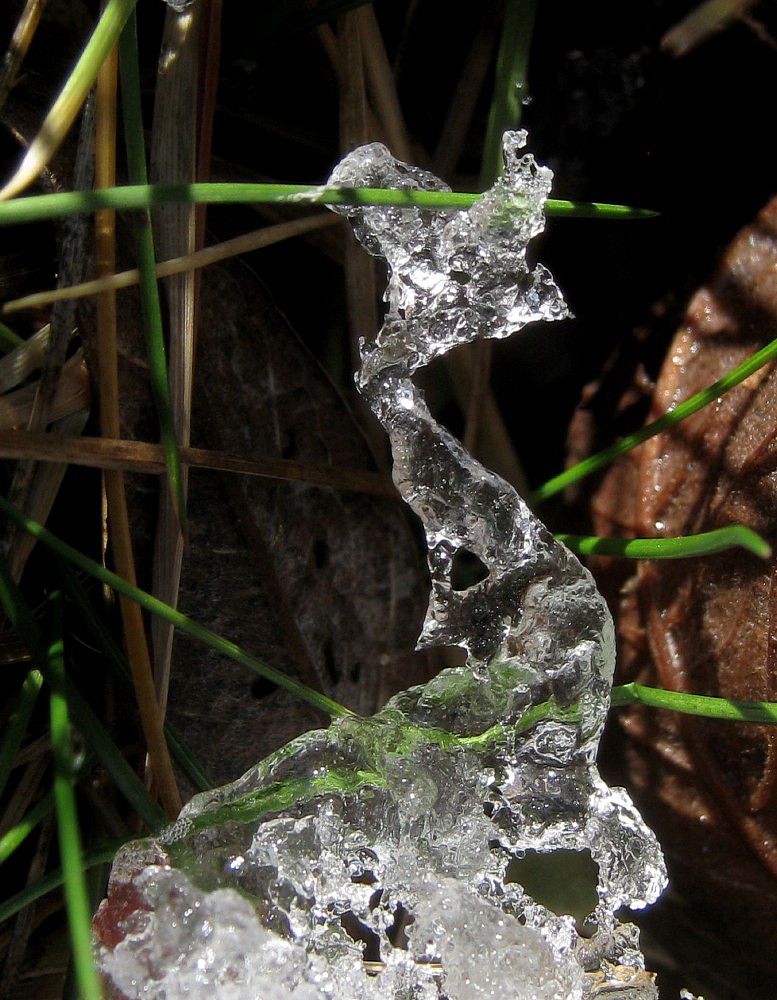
(377, 859)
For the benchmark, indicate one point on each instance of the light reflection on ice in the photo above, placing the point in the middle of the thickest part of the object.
(370, 860)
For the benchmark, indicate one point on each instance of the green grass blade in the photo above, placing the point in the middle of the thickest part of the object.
(72, 96)
(510, 85)
(76, 899)
(682, 547)
(251, 806)
(30, 893)
(19, 833)
(143, 196)
(146, 261)
(15, 728)
(126, 780)
(723, 709)
(680, 412)
(180, 621)
(559, 208)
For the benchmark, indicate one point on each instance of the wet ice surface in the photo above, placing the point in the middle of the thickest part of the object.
(371, 860)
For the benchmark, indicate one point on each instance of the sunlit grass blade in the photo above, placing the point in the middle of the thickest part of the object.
(16, 726)
(510, 85)
(76, 898)
(21, 830)
(24, 32)
(180, 621)
(559, 208)
(65, 108)
(682, 547)
(101, 855)
(142, 196)
(146, 261)
(680, 412)
(705, 706)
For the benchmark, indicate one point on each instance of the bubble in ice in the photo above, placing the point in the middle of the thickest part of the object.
(376, 859)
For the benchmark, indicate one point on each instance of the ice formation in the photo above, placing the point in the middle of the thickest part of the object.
(376, 859)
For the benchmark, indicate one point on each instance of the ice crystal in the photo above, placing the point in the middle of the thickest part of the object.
(377, 859)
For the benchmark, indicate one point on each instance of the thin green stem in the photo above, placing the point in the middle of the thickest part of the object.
(16, 726)
(19, 833)
(76, 898)
(682, 547)
(680, 412)
(278, 795)
(143, 196)
(723, 709)
(20, 615)
(146, 260)
(180, 621)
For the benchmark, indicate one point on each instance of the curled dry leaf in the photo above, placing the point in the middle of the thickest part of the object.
(709, 626)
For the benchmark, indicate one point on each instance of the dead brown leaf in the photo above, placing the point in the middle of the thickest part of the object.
(709, 626)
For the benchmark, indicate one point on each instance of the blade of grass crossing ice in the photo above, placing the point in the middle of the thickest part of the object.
(144, 196)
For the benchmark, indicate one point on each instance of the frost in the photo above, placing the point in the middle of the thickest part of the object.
(373, 860)
(190, 943)
(486, 952)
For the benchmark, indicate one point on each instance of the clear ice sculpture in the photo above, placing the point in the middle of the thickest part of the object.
(372, 860)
